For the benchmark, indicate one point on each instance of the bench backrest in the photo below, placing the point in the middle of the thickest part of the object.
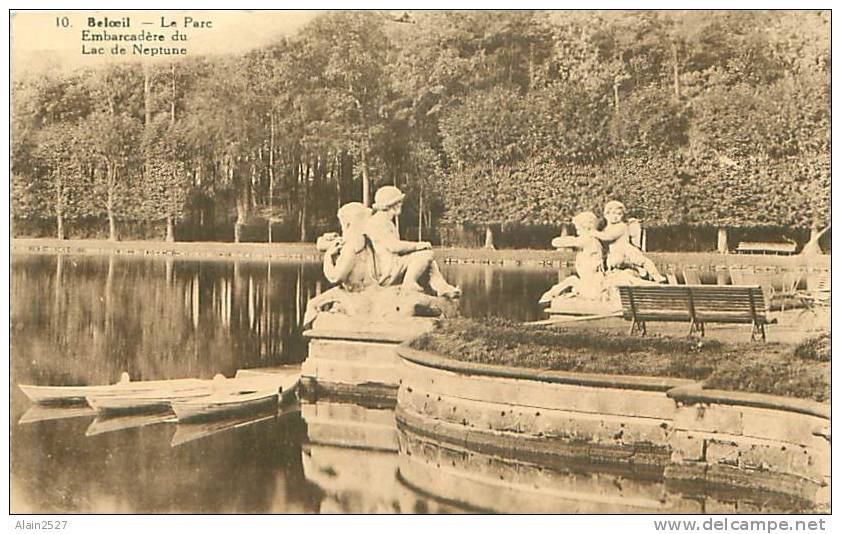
(729, 304)
(778, 248)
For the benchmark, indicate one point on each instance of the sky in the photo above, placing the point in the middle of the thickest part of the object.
(39, 42)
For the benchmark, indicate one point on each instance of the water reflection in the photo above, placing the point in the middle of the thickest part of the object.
(117, 422)
(320, 457)
(474, 480)
(506, 485)
(79, 319)
(84, 319)
(510, 292)
(351, 454)
(252, 469)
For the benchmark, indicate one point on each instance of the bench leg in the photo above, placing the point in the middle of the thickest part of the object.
(758, 329)
(637, 326)
(696, 327)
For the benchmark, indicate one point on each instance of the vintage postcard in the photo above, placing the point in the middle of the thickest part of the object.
(421, 262)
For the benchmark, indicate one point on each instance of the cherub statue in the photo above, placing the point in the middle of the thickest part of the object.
(380, 278)
(589, 261)
(347, 258)
(408, 263)
(347, 262)
(617, 236)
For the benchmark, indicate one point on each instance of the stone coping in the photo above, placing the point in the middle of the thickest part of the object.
(678, 389)
(355, 335)
(295, 250)
(181, 249)
(695, 393)
(648, 383)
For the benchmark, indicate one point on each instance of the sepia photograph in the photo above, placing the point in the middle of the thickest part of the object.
(407, 261)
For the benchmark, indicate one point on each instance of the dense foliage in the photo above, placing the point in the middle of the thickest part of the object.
(484, 118)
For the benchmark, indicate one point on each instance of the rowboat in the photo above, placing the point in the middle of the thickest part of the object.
(158, 399)
(79, 394)
(248, 391)
(225, 403)
(283, 377)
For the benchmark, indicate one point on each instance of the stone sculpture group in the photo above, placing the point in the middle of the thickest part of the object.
(593, 288)
(383, 282)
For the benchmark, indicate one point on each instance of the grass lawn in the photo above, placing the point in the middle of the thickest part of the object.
(801, 371)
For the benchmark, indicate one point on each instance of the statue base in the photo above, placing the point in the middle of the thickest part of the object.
(571, 306)
(354, 354)
(567, 298)
(354, 364)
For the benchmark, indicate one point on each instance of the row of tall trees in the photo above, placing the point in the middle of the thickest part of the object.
(700, 118)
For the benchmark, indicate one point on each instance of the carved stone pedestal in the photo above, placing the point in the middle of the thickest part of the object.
(353, 339)
(351, 364)
(357, 362)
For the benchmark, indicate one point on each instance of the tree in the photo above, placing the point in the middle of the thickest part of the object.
(487, 117)
(112, 140)
(167, 177)
(58, 150)
(225, 135)
(46, 152)
(486, 127)
(350, 50)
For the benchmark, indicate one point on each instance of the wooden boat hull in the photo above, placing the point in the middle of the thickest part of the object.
(225, 403)
(250, 391)
(146, 402)
(284, 379)
(79, 394)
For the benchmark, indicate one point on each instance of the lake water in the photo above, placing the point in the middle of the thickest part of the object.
(79, 319)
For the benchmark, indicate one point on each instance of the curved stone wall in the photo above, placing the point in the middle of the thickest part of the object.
(751, 440)
(490, 483)
(744, 440)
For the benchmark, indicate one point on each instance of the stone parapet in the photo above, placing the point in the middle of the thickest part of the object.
(361, 364)
(720, 438)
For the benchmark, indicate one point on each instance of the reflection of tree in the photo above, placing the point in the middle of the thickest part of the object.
(195, 301)
(488, 276)
(58, 295)
(109, 282)
(85, 319)
(493, 290)
(168, 269)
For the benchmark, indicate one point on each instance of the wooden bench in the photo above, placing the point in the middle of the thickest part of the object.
(695, 304)
(749, 247)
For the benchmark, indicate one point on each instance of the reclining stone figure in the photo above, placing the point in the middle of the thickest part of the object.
(379, 277)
